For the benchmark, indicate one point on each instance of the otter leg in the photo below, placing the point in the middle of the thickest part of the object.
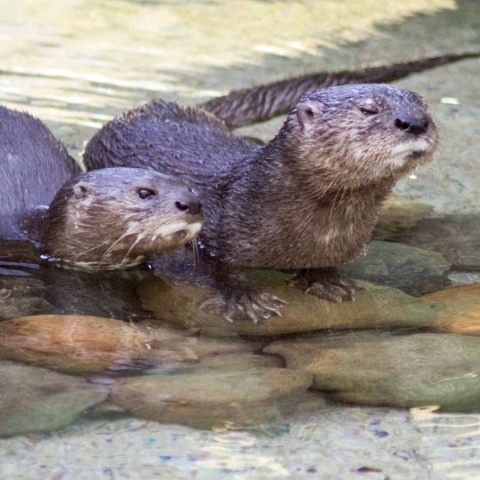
(241, 301)
(327, 284)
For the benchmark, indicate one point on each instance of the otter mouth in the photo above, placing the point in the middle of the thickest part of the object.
(411, 152)
(182, 232)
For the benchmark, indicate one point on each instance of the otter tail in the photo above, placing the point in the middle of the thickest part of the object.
(261, 103)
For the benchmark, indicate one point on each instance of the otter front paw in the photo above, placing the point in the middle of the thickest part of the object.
(326, 285)
(255, 306)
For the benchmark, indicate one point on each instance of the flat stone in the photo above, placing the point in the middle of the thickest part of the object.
(211, 397)
(39, 400)
(412, 270)
(78, 343)
(456, 237)
(370, 368)
(399, 213)
(190, 307)
(458, 309)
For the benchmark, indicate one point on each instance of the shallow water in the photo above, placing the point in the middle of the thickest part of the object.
(75, 65)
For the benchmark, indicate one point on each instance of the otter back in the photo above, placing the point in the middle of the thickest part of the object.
(33, 167)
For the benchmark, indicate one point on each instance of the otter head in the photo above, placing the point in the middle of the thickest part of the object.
(115, 217)
(356, 135)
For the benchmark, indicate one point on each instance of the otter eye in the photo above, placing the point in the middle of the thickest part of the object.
(369, 110)
(145, 193)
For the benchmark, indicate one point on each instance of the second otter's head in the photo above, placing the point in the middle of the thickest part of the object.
(115, 217)
(355, 135)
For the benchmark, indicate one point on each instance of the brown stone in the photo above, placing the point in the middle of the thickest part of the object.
(458, 309)
(76, 343)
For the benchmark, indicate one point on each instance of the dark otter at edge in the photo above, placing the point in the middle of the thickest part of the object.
(102, 220)
(308, 200)
(262, 102)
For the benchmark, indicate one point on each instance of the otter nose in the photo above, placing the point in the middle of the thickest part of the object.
(191, 206)
(412, 124)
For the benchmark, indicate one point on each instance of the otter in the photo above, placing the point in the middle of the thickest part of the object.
(263, 102)
(103, 220)
(306, 201)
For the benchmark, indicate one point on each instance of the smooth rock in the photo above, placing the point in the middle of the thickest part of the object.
(412, 270)
(76, 343)
(38, 400)
(371, 368)
(211, 397)
(458, 309)
(191, 307)
(244, 361)
(398, 214)
(22, 295)
(456, 237)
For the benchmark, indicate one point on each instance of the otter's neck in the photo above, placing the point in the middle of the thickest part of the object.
(280, 217)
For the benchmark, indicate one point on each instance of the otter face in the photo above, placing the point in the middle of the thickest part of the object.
(115, 217)
(364, 133)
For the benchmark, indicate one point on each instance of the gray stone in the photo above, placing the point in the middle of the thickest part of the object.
(380, 369)
(211, 397)
(456, 237)
(412, 270)
(38, 400)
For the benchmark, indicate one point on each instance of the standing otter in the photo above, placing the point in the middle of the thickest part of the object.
(260, 103)
(107, 219)
(307, 200)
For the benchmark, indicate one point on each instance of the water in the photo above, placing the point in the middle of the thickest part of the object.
(75, 65)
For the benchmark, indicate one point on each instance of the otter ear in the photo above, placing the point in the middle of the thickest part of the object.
(308, 111)
(81, 190)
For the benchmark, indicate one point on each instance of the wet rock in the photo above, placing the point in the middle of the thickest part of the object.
(402, 371)
(410, 269)
(207, 398)
(73, 343)
(456, 237)
(22, 295)
(458, 309)
(398, 214)
(38, 400)
(244, 361)
(191, 307)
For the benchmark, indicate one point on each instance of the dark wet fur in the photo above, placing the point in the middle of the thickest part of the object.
(34, 165)
(308, 199)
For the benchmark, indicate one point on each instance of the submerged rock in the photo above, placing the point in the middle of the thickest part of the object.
(398, 214)
(216, 397)
(458, 309)
(22, 295)
(200, 309)
(456, 237)
(410, 269)
(74, 343)
(371, 368)
(38, 400)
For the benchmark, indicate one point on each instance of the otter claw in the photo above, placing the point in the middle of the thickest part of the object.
(254, 306)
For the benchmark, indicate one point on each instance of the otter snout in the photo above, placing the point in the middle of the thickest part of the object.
(189, 205)
(414, 124)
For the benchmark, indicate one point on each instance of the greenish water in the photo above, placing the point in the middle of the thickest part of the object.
(76, 64)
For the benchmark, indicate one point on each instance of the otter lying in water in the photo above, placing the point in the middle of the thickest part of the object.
(102, 220)
(308, 200)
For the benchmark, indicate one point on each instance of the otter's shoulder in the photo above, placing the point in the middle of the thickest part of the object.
(163, 111)
(169, 138)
